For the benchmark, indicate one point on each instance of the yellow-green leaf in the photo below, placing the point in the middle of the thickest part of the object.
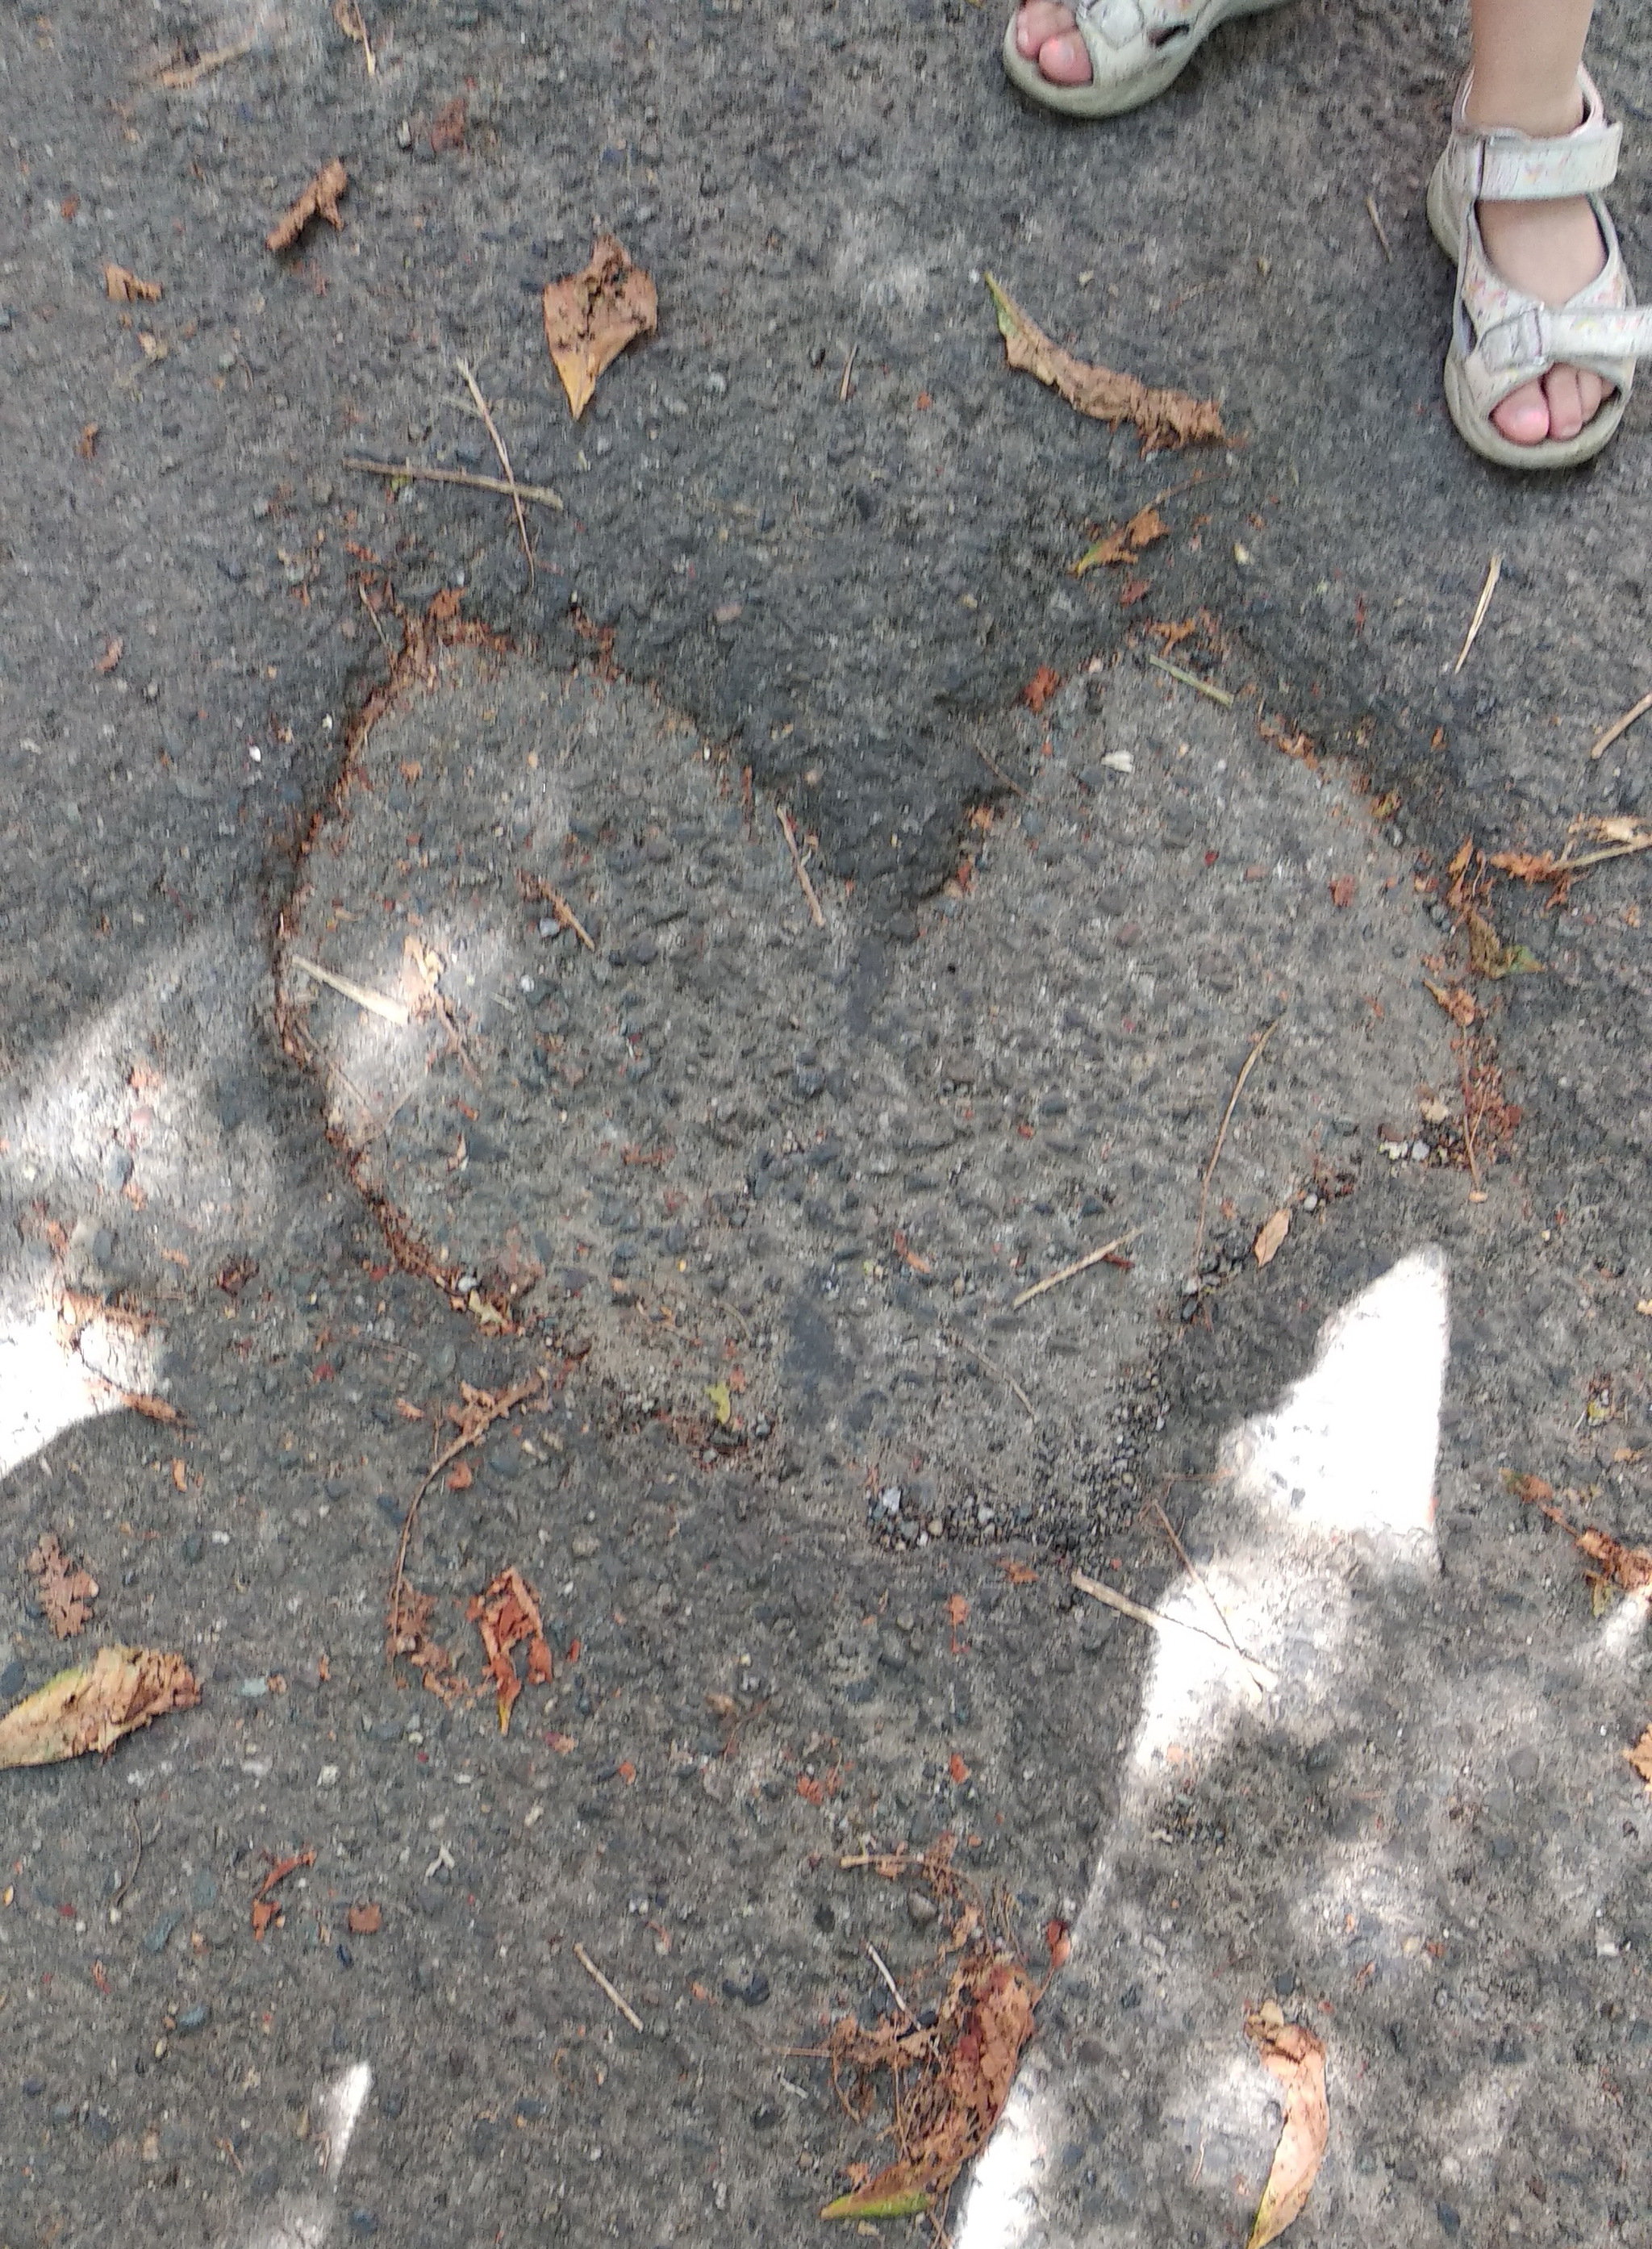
(903, 2202)
(722, 1403)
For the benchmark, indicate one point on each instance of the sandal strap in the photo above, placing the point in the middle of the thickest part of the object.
(1538, 337)
(1508, 166)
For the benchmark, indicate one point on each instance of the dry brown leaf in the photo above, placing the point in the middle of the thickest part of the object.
(1457, 1000)
(265, 1907)
(982, 2028)
(67, 1590)
(447, 126)
(1123, 541)
(86, 444)
(364, 1919)
(1343, 888)
(114, 648)
(320, 200)
(505, 1613)
(92, 1705)
(1166, 419)
(125, 287)
(590, 317)
(1269, 1235)
(1040, 688)
(1293, 2055)
(1627, 1567)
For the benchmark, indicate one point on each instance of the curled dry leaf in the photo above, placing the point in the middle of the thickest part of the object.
(505, 1613)
(1343, 888)
(1166, 419)
(1269, 1235)
(364, 1919)
(320, 200)
(120, 283)
(590, 317)
(67, 1590)
(1293, 2055)
(92, 1705)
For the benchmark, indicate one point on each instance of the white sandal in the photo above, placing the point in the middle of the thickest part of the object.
(1500, 337)
(1136, 48)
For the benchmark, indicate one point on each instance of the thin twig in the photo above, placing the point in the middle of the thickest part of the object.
(1382, 231)
(1210, 1600)
(1468, 1113)
(350, 19)
(186, 74)
(901, 2001)
(1105, 1255)
(1191, 679)
(542, 493)
(605, 1986)
(802, 872)
(538, 892)
(140, 1839)
(992, 1366)
(491, 427)
(1494, 571)
(375, 1003)
(849, 368)
(1621, 727)
(384, 639)
(1245, 1069)
(1015, 786)
(1598, 858)
(1263, 1674)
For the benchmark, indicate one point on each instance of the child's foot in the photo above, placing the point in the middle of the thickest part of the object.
(1047, 33)
(1550, 250)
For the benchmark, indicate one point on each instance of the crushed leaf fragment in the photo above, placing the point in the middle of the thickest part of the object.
(1123, 541)
(505, 1613)
(120, 283)
(65, 1591)
(318, 200)
(1166, 419)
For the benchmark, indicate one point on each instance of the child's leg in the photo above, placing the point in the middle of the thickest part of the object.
(1526, 58)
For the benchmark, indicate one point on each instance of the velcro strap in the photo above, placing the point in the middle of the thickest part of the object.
(1516, 169)
(1539, 337)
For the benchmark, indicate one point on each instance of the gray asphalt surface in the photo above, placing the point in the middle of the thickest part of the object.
(814, 1164)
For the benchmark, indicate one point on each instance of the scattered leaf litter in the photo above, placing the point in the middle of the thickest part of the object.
(949, 2060)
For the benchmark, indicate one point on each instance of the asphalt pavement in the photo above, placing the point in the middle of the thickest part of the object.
(416, 1000)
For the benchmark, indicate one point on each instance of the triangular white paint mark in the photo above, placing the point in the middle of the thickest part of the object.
(1349, 1452)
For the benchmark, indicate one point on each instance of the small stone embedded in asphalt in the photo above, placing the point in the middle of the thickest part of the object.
(195, 2017)
(753, 1992)
(192, 1546)
(117, 1167)
(921, 1909)
(158, 1935)
(13, 1676)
